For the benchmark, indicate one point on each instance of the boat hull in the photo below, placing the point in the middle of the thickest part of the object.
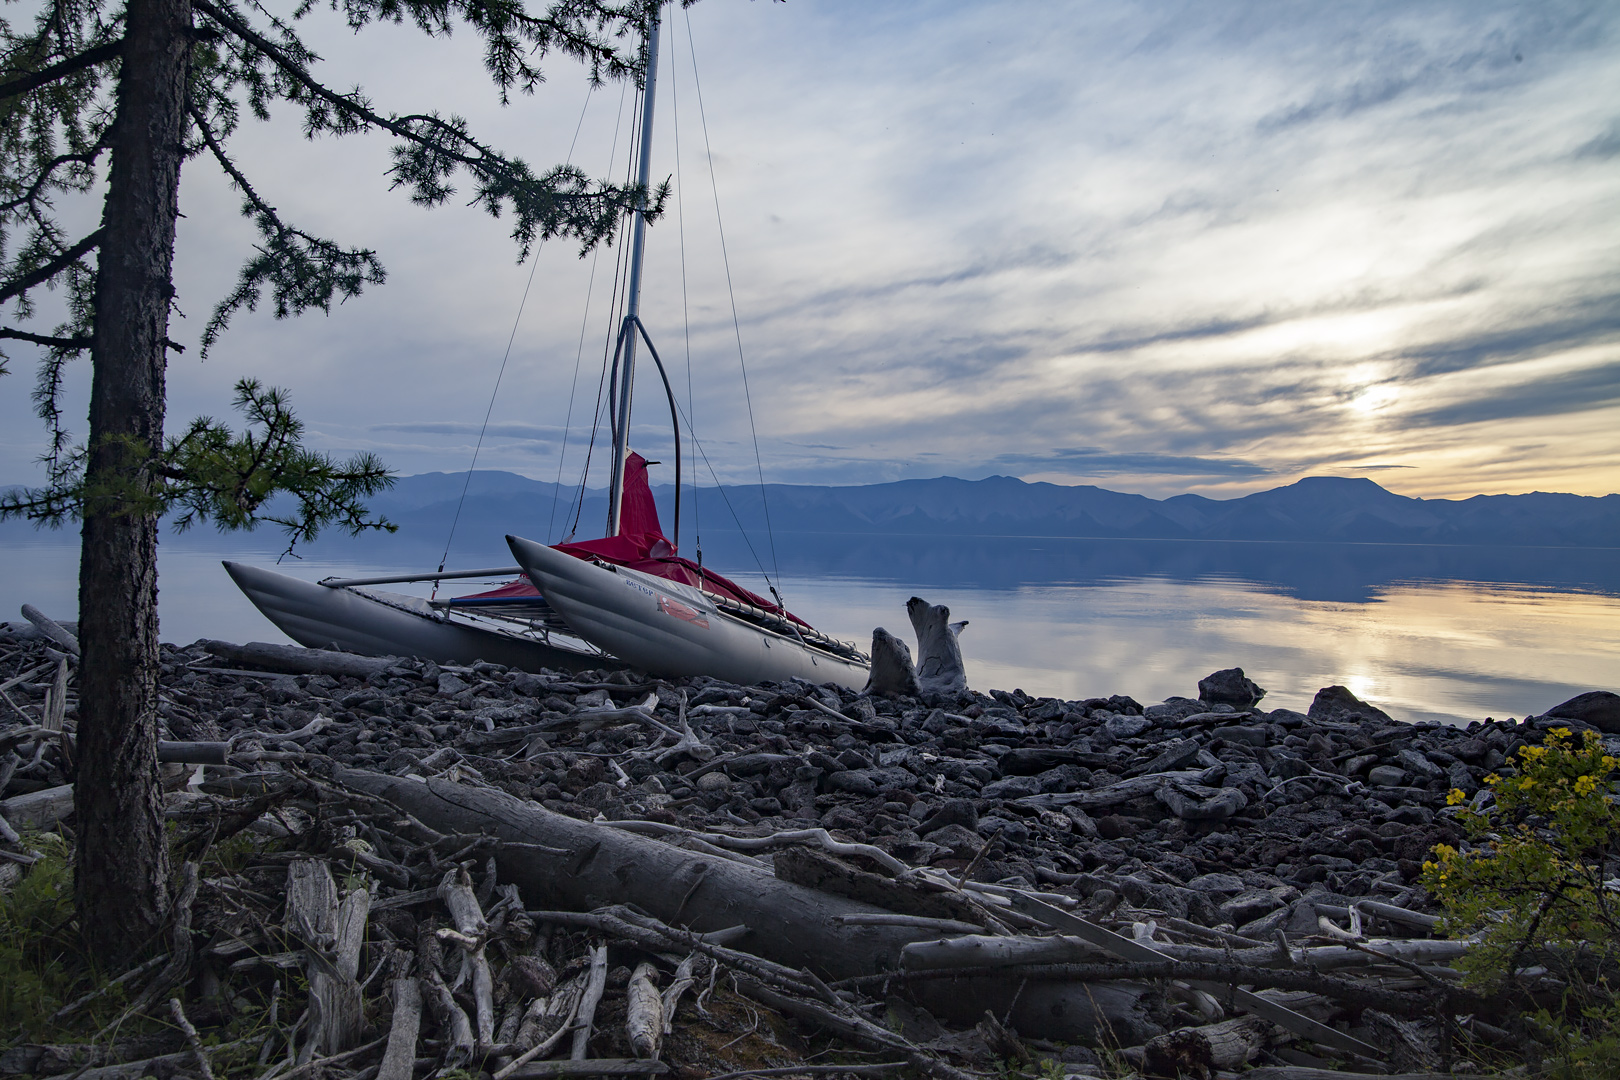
(319, 617)
(668, 628)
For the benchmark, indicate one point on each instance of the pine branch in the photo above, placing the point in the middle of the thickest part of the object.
(89, 58)
(42, 274)
(68, 344)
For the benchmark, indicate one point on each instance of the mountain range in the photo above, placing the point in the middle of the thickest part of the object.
(1318, 508)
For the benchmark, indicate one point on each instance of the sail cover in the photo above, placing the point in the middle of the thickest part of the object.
(641, 545)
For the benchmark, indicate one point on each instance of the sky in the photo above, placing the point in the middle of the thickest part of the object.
(1157, 247)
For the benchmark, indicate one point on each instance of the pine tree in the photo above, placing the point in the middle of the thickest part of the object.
(94, 96)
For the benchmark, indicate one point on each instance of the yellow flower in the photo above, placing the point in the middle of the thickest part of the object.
(1455, 796)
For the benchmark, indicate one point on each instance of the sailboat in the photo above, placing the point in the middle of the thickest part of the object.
(625, 598)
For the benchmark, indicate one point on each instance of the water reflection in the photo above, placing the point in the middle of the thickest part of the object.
(1447, 633)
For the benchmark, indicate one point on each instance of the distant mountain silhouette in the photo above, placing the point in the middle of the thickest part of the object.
(1318, 508)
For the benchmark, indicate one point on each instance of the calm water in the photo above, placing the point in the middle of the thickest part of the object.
(1454, 634)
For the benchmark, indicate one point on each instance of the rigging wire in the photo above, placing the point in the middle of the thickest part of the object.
(534, 265)
(735, 321)
(579, 352)
(686, 309)
(620, 272)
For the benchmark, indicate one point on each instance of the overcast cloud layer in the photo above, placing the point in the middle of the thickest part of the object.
(1157, 247)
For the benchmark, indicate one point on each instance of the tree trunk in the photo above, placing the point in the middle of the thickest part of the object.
(121, 886)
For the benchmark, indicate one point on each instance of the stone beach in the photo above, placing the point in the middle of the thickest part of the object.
(1210, 818)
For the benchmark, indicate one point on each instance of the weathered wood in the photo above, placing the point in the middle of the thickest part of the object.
(55, 706)
(892, 671)
(939, 656)
(1132, 950)
(644, 1012)
(454, 1027)
(400, 1057)
(539, 1070)
(1305, 1072)
(51, 628)
(39, 809)
(585, 1015)
(332, 931)
(981, 950)
(671, 997)
(806, 866)
(1198, 1051)
(789, 924)
(296, 660)
(457, 894)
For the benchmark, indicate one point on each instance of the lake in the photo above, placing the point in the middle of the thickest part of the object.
(1426, 632)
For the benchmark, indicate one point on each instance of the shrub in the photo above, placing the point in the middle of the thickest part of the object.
(1530, 887)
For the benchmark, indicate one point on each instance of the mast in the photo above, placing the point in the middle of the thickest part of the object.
(627, 376)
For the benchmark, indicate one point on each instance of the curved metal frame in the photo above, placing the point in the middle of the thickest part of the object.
(669, 392)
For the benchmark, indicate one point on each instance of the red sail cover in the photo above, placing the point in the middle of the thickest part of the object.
(641, 545)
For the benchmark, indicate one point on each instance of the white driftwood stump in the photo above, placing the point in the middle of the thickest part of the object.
(939, 656)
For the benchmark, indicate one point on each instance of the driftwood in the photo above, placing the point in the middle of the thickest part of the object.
(789, 924)
(538, 1070)
(51, 628)
(400, 1056)
(1304, 1072)
(1199, 1051)
(471, 934)
(1252, 1002)
(644, 1012)
(332, 931)
(939, 656)
(39, 810)
(55, 698)
(585, 1015)
(892, 670)
(295, 660)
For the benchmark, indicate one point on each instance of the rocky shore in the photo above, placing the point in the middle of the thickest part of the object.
(1203, 821)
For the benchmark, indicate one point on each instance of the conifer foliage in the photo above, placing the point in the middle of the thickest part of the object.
(101, 98)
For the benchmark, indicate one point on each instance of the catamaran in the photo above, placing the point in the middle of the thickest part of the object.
(627, 598)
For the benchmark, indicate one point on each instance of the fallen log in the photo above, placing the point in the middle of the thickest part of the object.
(296, 660)
(1230, 1044)
(51, 628)
(39, 810)
(536, 1070)
(789, 924)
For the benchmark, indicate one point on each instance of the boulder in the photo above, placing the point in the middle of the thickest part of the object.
(1600, 708)
(1229, 687)
(1338, 704)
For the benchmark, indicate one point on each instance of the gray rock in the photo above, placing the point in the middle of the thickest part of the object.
(1418, 765)
(450, 685)
(1248, 735)
(959, 812)
(1126, 727)
(1249, 905)
(1217, 883)
(1338, 704)
(854, 781)
(1600, 708)
(1013, 787)
(1230, 687)
(957, 840)
(1386, 776)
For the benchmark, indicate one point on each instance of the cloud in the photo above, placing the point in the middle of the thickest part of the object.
(1197, 247)
(1091, 461)
(1552, 395)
